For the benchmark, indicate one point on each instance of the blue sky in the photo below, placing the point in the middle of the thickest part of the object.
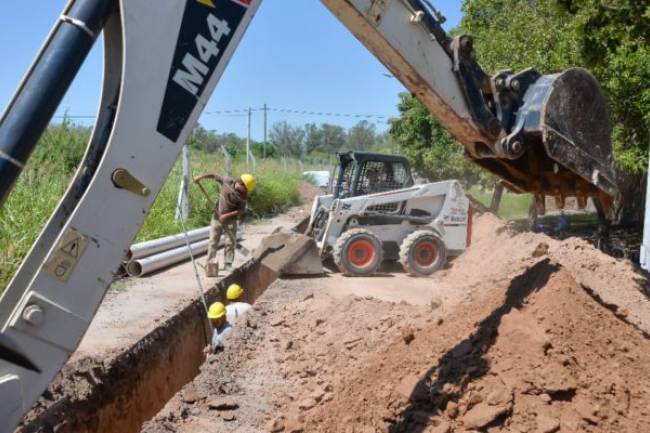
(295, 55)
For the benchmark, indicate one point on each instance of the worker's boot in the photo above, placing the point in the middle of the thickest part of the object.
(212, 270)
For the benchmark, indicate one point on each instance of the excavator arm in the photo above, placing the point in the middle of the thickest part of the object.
(546, 134)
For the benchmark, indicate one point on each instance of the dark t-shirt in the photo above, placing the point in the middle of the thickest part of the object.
(231, 199)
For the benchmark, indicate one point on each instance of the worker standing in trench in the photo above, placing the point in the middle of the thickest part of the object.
(231, 205)
(220, 325)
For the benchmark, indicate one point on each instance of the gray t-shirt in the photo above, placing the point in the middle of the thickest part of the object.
(220, 335)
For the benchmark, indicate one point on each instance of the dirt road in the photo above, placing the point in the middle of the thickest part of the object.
(520, 334)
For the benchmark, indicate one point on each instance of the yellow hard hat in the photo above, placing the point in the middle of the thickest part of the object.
(234, 292)
(249, 181)
(216, 311)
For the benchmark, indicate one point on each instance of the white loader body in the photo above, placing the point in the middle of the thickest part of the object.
(441, 207)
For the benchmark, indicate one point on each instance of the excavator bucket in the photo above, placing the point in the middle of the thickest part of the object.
(563, 125)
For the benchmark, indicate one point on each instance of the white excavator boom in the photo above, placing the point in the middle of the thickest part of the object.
(163, 59)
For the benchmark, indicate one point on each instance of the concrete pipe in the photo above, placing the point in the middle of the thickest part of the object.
(149, 248)
(147, 265)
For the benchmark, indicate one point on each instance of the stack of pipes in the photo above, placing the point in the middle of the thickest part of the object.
(147, 257)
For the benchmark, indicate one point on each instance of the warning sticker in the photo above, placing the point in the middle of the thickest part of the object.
(66, 256)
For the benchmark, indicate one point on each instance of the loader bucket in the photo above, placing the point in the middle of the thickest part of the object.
(289, 254)
(564, 125)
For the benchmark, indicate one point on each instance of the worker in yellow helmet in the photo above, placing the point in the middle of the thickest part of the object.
(231, 206)
(220, 324)
(237, 307)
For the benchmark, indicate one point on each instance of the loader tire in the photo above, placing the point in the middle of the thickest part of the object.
(422, 253)
(358, 252)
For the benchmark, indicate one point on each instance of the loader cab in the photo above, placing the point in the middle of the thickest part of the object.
(365, 173)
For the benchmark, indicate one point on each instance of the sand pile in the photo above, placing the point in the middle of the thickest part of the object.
(538, 356)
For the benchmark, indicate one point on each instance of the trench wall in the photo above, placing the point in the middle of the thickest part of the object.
(119, 395)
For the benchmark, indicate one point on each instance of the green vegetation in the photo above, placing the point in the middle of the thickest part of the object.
(324, 140)
(37, 193)
(513, 206)
(54, 162)
(433, 152)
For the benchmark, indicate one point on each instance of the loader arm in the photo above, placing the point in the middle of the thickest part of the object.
(162, 61)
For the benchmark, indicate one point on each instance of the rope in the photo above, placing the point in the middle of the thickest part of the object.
(196, 275)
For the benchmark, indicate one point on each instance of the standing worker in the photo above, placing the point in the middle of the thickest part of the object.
(231, 205)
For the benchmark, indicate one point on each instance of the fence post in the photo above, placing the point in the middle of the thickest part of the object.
(184, 205)
(254, 161)
(228, 161)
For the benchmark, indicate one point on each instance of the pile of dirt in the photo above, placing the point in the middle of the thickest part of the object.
(498, 254)
(284, 358)
(309, 192)
(537, 356)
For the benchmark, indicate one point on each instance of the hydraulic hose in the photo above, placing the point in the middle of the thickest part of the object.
(45, 85)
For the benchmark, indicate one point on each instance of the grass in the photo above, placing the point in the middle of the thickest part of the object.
(513, 206)
(277, 189)
(44, 181)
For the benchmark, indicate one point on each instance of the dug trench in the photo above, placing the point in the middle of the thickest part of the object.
(521, 333)
(94, 395)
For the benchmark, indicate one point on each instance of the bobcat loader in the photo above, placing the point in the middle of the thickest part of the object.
(377, 213)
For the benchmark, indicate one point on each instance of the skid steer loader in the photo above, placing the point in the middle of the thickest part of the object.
(376, 212)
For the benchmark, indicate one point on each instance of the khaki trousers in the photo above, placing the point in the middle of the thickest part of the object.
(217, 229)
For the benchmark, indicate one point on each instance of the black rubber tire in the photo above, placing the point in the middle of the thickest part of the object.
(352, 238)
(409, 249)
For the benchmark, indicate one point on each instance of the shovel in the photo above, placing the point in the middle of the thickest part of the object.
(245, 252)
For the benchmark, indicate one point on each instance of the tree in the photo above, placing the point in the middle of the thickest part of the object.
(362, 136)
(333, 137)
(313, 137)
(434, 153)
(288, 140)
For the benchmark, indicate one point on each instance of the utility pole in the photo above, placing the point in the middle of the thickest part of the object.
(248, 139)
(264, 144)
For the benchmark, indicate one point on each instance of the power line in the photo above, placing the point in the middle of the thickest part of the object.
(244, 112)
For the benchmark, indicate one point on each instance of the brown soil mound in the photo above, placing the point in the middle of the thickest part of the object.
(512, 342)
(498, 254)
(539, 356)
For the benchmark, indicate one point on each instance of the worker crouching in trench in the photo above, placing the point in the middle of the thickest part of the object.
(230, 206)
(223, 318)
